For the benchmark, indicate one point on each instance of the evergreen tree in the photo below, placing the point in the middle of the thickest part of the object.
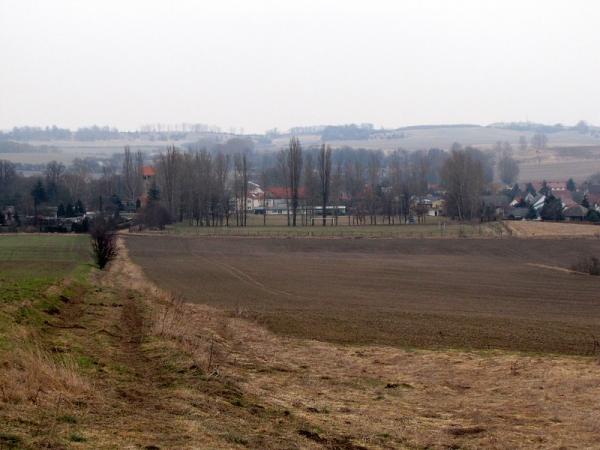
(585, 202)
(552, 209)
(153, 192)
(531, 214)
(39, 196)
(571, 186)
(79, 208)
(116, 201)
(530, 189)
(593, 216)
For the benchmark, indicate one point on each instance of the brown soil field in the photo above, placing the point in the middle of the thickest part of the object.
(511, 294)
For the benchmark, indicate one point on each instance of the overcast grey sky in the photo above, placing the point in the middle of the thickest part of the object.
(264, 64)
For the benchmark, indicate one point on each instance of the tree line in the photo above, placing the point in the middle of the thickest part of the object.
(210, 187)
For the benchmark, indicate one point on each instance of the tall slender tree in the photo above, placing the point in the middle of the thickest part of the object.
(324, 178)
(129, 172)
(294, 160)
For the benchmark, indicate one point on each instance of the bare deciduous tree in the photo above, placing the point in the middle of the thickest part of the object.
(53, 172)
(241, 188)
(462, 176)
(129, 172)
(311, 187)
(139, 175)
(324, 177)
(168, 171)
(508, 169)
(522, 143)
(374, 175)
(294, 162)
(539, 141)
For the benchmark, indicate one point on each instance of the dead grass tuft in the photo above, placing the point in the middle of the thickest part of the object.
(38, 377)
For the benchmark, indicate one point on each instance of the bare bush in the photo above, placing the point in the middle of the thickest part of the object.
(104, 241)
(587, 264)
(154, 216)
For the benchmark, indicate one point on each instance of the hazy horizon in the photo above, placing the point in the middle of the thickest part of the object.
(265, 64)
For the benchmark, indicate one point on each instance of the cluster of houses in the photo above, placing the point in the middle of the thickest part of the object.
(527, 202)
(48, 219)
(276, 201)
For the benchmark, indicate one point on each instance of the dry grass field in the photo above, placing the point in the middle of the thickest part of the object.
(528, 229)
(511, 294)
(276, 227)
(558, 169)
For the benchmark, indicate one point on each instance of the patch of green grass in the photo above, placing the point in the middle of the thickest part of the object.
(50, 248)
(30, 264)
(67, 419)
(235, 438)
(76, 437)
(85, 362)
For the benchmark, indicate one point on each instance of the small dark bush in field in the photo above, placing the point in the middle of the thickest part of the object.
(588, 264)
(104, 241)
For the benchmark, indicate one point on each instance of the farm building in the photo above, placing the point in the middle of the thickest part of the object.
(277, 199)
(148, 175)
(552, 185)
(566, 197)
(430, 205)
(594, 201)
(518, 213)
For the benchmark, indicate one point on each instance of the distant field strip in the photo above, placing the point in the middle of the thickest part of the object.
(35, 247)
(431, 229)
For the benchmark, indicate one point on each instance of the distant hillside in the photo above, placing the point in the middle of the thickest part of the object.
(19, 147)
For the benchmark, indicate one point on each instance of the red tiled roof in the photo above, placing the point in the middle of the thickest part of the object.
(554, 185)
(283, 192)
(148, 171)
(565, 196)
(593, 199)
(557, 185)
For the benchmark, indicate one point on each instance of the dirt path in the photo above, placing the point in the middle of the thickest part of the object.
(109, 325)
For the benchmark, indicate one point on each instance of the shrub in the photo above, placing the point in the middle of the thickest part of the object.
(104, 241)
(154, 215)
(588, 264)
(593, 216)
